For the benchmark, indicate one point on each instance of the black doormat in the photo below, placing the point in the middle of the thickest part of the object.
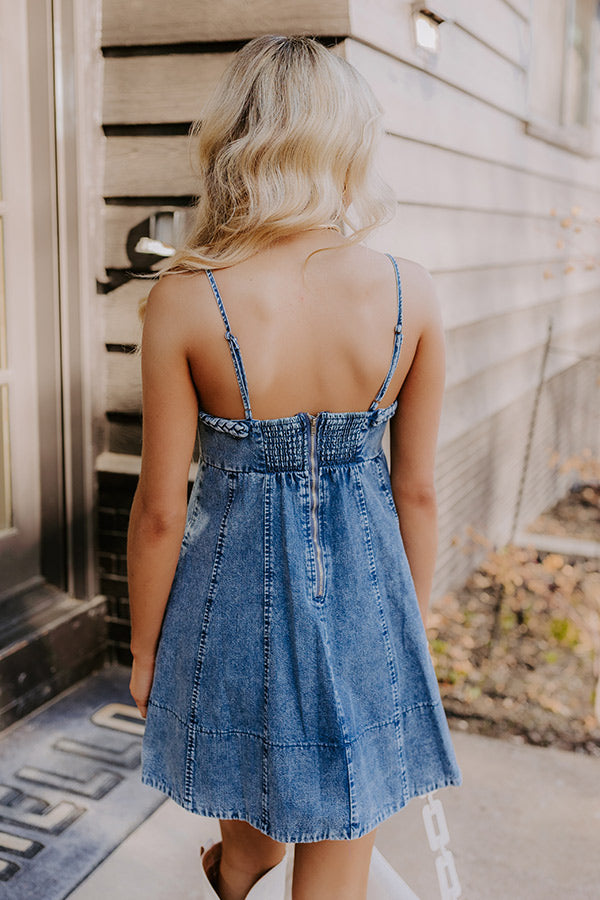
(70, 789)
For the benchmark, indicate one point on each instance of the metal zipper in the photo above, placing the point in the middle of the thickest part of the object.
(314, 504)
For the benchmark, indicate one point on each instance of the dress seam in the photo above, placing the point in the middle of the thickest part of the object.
(384, 487)
(168, 709)
(191, 743)
(346, 742)
(386, 723)
(392, 666)
(216, 732)
(267, 591)
(324, 467)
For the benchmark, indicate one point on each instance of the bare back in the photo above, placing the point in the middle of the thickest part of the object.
(322, 342)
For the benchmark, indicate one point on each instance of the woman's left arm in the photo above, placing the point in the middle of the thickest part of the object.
(158, 513)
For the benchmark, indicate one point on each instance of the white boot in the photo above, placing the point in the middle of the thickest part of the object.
(270, 886)
(384, 882)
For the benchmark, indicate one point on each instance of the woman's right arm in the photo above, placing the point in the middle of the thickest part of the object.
(413, 437)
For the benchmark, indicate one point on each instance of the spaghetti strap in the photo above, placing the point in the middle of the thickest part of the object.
(397, 340)
(234, 347)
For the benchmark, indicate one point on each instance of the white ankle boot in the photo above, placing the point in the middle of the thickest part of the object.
(384, 882)
(271, 886)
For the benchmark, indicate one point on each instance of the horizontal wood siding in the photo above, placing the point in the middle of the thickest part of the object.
(508, 225)
(139, 22)
(154, 166)
(163, 88)
(461, 180)
(425, 108)
(134, 86)
(492, 23)
(462, 56)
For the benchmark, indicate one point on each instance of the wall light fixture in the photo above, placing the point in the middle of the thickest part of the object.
(426, 24)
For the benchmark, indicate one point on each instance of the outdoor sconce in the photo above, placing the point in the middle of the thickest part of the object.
(164, 229)
(426, 25)
(148, 242)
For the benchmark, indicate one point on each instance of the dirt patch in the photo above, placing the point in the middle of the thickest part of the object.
(517, 648)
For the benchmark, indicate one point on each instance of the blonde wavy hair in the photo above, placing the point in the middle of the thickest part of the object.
(285, 144)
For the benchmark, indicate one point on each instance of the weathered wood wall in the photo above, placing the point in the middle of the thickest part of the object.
(480, 203)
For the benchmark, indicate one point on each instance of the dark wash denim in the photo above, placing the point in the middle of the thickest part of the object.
(293, 687)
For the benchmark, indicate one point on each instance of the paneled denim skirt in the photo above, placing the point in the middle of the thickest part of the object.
(293, 685)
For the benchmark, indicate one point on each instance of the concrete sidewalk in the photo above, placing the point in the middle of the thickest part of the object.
(77, 822)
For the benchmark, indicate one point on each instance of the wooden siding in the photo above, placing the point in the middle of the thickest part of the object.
(181, 21)
(425, 108)
(486, 221)
(148, 167)
(463, 57)
(134, 86)
(487, 208)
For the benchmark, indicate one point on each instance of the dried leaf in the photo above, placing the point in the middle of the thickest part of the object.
(537, 586)
(553, 705)
(553, 562)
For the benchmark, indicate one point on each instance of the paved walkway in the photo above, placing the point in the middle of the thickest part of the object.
(525, 824)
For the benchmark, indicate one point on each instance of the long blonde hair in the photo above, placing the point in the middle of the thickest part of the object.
(285, 144)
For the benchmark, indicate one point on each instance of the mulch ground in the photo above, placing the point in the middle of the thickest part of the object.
(517, 648)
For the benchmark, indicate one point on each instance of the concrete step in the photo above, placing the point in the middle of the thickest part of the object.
(48, 642)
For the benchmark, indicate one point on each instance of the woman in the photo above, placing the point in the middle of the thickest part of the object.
(280, 655)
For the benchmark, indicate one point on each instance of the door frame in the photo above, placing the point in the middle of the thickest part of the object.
(65, 93)
(78, 147)
(19, 543)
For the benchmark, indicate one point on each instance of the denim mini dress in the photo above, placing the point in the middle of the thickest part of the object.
(293, 685)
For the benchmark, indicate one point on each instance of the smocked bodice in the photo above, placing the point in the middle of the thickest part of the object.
(293, 443)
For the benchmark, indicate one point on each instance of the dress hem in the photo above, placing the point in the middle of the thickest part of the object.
(289, 837)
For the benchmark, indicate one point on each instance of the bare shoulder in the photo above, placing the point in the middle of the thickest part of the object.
(416, 281)
(418, 284)
(420, 300)
(176, 304)
(177, 288)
